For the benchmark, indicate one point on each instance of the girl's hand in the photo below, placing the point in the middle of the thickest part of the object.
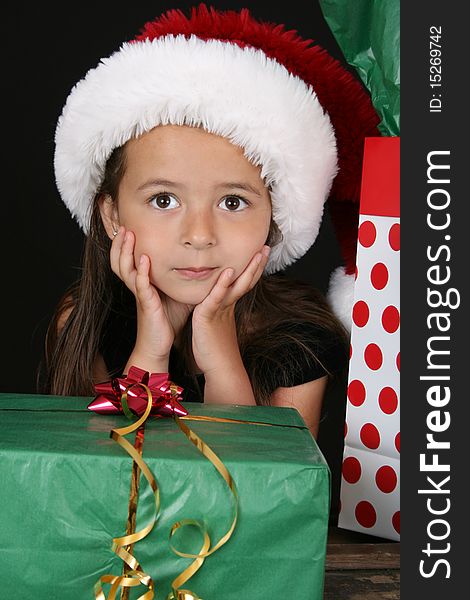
(159, 319)
(215, 345)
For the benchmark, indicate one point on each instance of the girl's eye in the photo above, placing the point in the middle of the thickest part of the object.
(233, 203)
(163, 201)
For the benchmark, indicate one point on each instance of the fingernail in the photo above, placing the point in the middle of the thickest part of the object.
(230, 272)
(258, 259)
(141, 259)
(266, 250)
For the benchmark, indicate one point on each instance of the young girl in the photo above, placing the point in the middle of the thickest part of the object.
(197, 160)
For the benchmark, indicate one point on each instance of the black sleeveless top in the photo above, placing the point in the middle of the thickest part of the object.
(119, 335)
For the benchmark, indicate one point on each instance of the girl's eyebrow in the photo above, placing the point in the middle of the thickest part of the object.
(241, 186)
(222, 186)
(163, 182)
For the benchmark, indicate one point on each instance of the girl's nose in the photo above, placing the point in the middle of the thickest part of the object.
(198, 230)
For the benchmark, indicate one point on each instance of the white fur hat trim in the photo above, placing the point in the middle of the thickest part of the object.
(237, 93)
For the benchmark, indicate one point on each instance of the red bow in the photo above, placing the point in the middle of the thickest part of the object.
(165, 394)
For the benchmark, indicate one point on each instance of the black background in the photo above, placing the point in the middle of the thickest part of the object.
(47, 48)
(48, 51)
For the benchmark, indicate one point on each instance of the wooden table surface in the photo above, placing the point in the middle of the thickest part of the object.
(361, 567)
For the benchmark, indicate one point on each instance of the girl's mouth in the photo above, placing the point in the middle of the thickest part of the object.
(195, 272)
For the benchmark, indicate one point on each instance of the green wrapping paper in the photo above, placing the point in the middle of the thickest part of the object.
(65, 490)
(368, 33)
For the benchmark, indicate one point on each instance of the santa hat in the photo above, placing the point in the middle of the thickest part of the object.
(291, 107)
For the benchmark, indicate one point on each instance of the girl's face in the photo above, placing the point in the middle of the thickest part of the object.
(192, 200)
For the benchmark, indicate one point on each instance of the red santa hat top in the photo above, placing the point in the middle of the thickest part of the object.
(293, 109)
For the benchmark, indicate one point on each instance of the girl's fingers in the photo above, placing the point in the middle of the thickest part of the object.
(219, 291)
(127, 267)
(227, 292)
(122, 257)
(262, 262)
(248, 279)
(145, 292)
(136, 278)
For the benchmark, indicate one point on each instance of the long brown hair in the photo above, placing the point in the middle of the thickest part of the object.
(263, 317)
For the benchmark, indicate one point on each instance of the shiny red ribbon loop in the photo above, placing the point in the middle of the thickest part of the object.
(166, 395)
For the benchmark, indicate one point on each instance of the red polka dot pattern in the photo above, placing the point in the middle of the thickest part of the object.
(360, 313)
(396, 521)
(391, 319)
(388, 400)
(367, 234)
(373, 357)
(370, 481)
(365, 514)
(356, 392)
(394, 237)
(370, 436)
(352, 469)
(379, 276)
(397, 442)
(386, 479)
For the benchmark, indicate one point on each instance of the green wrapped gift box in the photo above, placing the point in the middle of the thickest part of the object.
(64, 494)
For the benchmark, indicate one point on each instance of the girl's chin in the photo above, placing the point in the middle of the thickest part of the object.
(192, 297)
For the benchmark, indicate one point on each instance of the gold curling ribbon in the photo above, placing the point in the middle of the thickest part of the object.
(122, 546)
(136, 576)
(241, 421)
(205, 551)
(133, 501)
(182, 594)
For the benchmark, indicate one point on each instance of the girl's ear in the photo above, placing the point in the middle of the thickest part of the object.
(109, 214)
